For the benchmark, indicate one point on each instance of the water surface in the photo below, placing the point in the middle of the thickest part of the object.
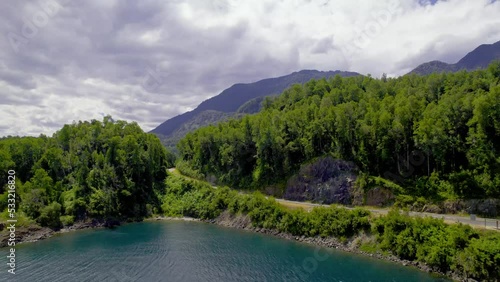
(191, 252)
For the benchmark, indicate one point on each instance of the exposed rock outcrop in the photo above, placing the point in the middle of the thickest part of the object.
(378, 196)
(484, 207)
(324, 181)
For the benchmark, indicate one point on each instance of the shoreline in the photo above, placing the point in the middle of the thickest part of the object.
(184, 218)
(34, 234)
(351, 245)
(242, 222)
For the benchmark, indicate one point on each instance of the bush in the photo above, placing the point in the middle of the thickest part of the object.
(428, 240)
(443, 247)
(377, 181)
(184, 168)
(403, 201)
(33, 202)
(200, 200)
(336, 222)
(50, 216)
(194, 199)
(4, 200)
(264, 212)
(293, 222)
(481, 259)
(67, 220)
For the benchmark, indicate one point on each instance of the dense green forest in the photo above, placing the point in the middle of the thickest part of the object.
(435, 136)
(109, 169)
(443, 247)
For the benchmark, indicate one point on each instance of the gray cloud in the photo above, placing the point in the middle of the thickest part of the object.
(147, 61)
(323, 46)
(19, 79)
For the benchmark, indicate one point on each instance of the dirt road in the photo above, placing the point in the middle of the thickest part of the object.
(488, 223)
(478, 222)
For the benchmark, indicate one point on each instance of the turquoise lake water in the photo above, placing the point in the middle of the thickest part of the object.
(191, 252)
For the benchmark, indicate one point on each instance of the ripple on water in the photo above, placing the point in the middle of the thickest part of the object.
(191, 252)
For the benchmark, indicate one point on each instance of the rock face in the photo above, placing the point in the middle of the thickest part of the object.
(35, 233)
(325, 181)
(485, 207)
(26, 234)
(109, 223)
(378, 196)
(228, 220)
(432, 208)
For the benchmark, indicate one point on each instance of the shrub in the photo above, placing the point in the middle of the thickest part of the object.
(481, 259)
(67, 220)
(428, 240)
(403, 201)
(184, 168)
(444, 247)
(50, 216)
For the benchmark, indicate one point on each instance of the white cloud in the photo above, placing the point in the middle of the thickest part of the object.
(93, 58)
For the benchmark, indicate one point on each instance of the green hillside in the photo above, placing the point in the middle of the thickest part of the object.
(109, 169)
(435, 136)
(204, 118)
(239, 99)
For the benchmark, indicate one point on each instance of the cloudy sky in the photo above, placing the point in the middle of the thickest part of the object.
(149, 60)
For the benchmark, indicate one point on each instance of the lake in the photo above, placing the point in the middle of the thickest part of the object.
(192, 251)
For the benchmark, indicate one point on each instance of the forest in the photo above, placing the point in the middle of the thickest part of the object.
(435, 136)
(108, 169)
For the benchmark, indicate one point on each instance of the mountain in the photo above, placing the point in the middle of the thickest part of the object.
(479, 58)
(239, 99)
(202, 119)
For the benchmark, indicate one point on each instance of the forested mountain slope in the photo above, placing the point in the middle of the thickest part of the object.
(204, 118)
(435, 136)
(229, 101)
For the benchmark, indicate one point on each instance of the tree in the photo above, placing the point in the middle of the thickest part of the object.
(50, 216)
(387, 127)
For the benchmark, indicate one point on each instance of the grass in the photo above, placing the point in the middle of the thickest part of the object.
(370, 247)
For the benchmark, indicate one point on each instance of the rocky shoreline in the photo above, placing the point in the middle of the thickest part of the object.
(352, 245)
(36, 233)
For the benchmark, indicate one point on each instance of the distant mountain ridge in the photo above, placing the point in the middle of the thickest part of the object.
(237, 100)
(246, 98)
(479, 58)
